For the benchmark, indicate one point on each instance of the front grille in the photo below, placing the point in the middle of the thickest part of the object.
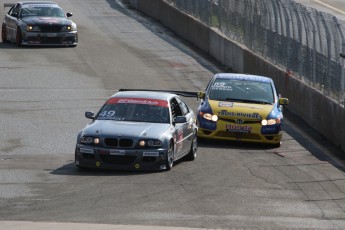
(111, 142)
(236, 135)
(125, 143)
(51, 28)
(120, 143)
(110, 159)
(244, 121)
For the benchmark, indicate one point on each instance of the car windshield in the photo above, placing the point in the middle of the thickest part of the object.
(134, 109)
(42, 11)
(241, 91)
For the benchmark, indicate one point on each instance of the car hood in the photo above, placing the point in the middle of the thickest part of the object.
(46, 20)
(125, 129)
(236, 110)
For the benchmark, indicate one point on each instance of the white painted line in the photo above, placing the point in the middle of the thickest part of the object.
(330, 7)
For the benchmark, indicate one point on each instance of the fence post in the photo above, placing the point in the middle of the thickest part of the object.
(342, 95)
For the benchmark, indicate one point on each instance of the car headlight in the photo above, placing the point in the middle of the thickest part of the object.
(66, 28)
(270, 121)
(208, 116)
(150, 143)
(72, 27)
(89, 140)
(33, 28)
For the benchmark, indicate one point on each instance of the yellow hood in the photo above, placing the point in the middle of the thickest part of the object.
(238, 110)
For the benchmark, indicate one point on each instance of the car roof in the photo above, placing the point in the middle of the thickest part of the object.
(145, 94)
(244, 77)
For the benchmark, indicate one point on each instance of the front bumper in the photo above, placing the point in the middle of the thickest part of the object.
(121, 159)
(253, 132)
(46, 39)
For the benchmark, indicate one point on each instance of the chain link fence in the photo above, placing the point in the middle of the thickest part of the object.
(302, 40)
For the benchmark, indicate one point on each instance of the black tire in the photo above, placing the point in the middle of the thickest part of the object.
(4, 34)
(19, 37)
(193, 148)
(170, 157)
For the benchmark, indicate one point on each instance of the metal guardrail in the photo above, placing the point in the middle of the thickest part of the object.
(302, 40)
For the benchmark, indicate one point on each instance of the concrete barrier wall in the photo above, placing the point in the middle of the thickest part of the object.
(191, 30)
(322, 113)
(225, 51)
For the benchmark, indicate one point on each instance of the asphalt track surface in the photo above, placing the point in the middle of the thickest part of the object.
(44, 93)
(334, 7)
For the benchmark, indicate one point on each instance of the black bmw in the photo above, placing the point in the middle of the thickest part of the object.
(38, 23)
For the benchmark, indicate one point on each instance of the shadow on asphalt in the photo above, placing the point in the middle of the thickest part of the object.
(14, 46)
(71, 170)
(313, 141)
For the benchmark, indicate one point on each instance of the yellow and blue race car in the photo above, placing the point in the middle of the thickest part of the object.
(241, 107)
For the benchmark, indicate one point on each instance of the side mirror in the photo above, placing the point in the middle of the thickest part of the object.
(14, 15)
(180, 119)
(90, 115)
(283, 101)
(201, 95)
(69, 15)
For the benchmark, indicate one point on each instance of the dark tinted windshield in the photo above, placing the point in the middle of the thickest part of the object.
(241, 90)
(138, 110)
(42, 11)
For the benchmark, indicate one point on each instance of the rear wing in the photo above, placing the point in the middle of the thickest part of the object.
(8, 5)
(180, 93)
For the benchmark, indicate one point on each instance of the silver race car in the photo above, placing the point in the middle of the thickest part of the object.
(38, 23)
(138, 130)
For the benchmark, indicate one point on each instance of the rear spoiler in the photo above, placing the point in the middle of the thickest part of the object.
(8, 5)
(180, 93)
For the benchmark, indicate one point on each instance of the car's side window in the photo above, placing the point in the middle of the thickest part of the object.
(183, 106)
(14, 12)
(11, 10)
(175, 108)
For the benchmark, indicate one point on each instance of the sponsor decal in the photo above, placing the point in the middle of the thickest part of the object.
(84, 150)
(238, 128)
(98, 163)
(150, 154)
(110, 114)
(239, 114)
(226, 104)
(136, 166)
(247, 78)
(117, 152)
(39, 5)
(141, 101)
(221, 86)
